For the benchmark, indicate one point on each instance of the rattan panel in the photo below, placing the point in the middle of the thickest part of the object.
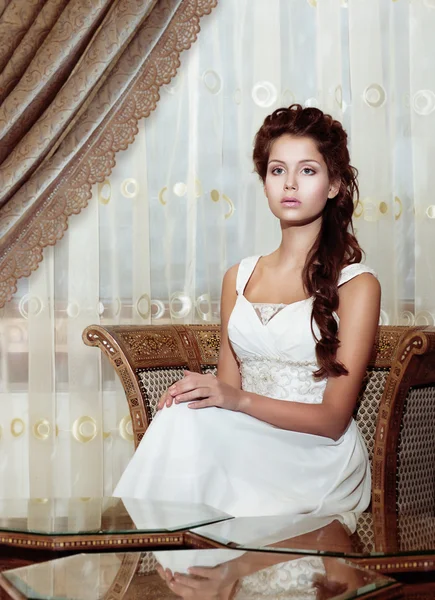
(154, 382)
(368, 406)
(147, 564)
(205, 370)
(416, 532)
(364, 534)
(416, 455)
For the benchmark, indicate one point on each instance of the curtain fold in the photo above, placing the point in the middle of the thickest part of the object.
(99, 70)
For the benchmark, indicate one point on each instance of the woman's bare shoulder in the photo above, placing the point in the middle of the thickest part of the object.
(361, 293)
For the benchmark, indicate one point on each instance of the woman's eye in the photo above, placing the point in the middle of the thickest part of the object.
(278, 171)
(308, 171)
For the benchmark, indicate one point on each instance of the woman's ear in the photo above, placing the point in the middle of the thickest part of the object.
(334, 188)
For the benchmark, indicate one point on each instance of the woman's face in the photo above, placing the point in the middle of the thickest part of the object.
(297, 182)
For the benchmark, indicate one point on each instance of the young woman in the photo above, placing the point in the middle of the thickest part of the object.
(273, 433)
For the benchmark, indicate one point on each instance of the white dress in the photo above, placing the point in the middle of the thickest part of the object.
(244, 466)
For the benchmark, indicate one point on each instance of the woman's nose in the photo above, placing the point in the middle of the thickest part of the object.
(290, 184)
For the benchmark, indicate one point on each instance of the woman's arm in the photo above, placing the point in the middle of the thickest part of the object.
(359, 315)
(228, 368)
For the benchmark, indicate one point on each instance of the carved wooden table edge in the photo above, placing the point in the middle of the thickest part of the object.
(86, 542)
(397, 564)
(386, 565)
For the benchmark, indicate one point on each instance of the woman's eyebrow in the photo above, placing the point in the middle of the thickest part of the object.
(305, 160)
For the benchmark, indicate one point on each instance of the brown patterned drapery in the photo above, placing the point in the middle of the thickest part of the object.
(75, 78)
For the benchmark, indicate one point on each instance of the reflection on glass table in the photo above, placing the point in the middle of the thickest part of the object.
(412, 550)
(63, 516)
(65, 524)
(196, 575)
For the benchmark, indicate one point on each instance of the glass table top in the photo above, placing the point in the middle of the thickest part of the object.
(66, 516)
(222, 574)
(324, 536)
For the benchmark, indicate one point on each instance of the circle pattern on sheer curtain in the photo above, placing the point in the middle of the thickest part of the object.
(407, 318)
(423, 102)
(399, 208)
(162, 193)
(42, 429)
(130, 188)
(18, 427)
(143, 306)
(104, 192)
(84, 429)
(424, 317)
(73, 309)
(157, 309)
(375, 95)
(264, 94)
(180, 305)
(126, 428)
(180, 189)
(311, 103)
(212, 81)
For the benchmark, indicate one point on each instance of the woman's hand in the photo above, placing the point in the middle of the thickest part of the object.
(165, 400)
(202, 583)
(203, 391)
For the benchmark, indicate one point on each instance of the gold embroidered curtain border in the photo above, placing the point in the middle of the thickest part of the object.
(46, 221)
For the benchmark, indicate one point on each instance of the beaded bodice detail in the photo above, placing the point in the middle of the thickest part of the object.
(293, 579)
(281, 379)
(274, 343)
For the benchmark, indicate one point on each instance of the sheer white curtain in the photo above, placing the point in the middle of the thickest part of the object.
(183, 204)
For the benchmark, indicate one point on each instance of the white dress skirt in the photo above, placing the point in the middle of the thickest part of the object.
(244, 466)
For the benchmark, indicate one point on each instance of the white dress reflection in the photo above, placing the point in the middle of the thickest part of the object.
(233, 575)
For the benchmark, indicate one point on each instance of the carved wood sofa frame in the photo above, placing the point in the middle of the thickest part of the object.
(396, 409)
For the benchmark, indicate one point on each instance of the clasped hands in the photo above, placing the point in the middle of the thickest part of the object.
(202, 391)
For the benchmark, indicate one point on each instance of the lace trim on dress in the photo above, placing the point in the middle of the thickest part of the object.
(266, 311)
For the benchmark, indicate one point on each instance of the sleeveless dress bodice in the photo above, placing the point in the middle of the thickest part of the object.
(276, 348)
(244, 466)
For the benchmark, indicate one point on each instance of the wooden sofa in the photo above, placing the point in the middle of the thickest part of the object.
(395, 413)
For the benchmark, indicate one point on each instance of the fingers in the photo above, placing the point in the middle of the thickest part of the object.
(191, 582)
(205, 572)
(165, 574)
(198, 394)
(205, 403)
(166, 399)
(191, 381)
(182, 386)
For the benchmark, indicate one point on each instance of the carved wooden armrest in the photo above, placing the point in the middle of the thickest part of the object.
(148, 359)
(403, 490)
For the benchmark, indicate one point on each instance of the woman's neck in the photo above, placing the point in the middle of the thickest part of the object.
(296, 243)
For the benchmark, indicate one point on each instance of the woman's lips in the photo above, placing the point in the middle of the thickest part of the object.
(290, 202)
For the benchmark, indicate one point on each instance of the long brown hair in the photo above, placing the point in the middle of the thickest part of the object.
(336, 245)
